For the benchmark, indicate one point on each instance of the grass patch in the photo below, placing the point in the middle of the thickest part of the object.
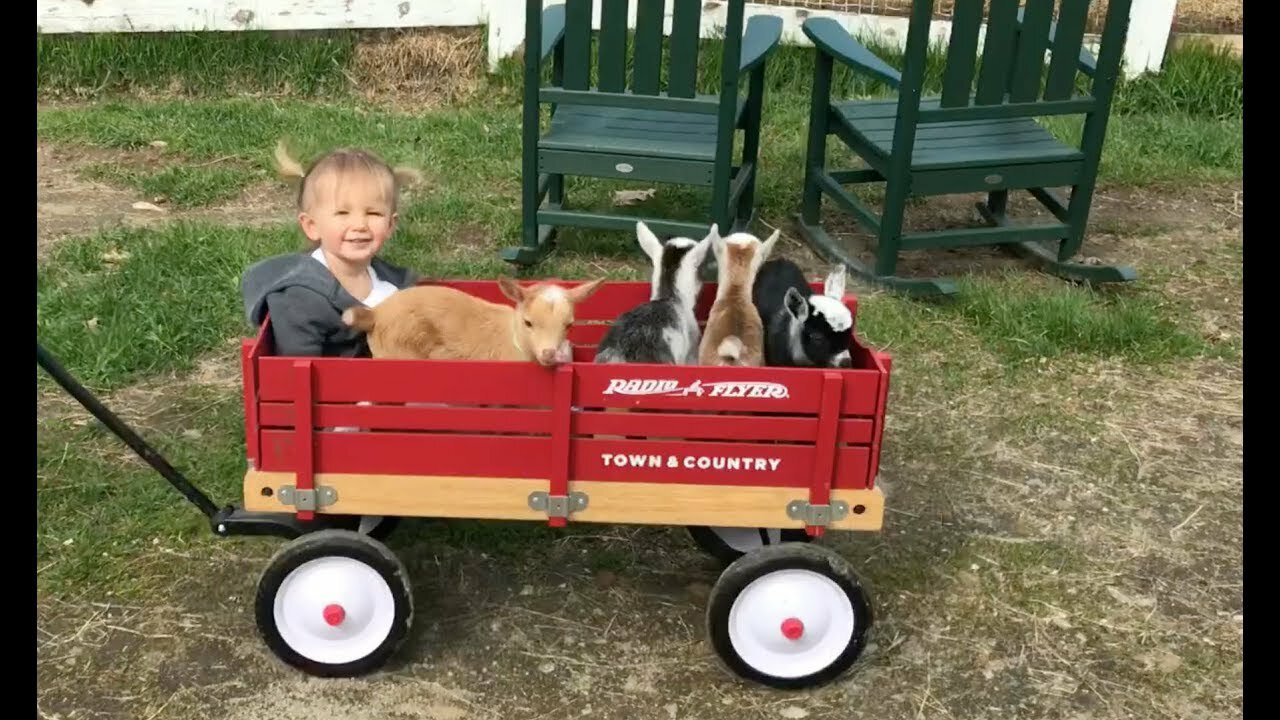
(184, 186)
(1197, 80)
(1025, 320)
(1145, 149)
(196, 63)
(132, 302)
(100, 506)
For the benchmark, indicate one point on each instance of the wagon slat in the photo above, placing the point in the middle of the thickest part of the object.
(304, 445)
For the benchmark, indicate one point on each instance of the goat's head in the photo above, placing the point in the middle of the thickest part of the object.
(676, 264)
(544, 313)
(740, 255)
(821, 325)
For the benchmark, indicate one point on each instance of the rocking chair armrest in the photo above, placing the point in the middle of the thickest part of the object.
(828, 37)
(759, 41)
(552, 30)
(1087, 63)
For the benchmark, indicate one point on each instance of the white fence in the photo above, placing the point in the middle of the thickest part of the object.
(1150, 20)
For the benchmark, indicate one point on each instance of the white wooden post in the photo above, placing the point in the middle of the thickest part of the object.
(1150, 22)
(505, 19)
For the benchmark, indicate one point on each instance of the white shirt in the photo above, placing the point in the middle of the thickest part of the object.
(381, 289)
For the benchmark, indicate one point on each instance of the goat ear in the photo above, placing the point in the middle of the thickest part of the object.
(715, 241)
(648, 242)
(796, 304)
(698, 253)
(511, 289)
(766, 248)
(581, 292)
(833, 287)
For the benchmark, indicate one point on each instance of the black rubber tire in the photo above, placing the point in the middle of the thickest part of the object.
(715, 546)
(328, 543)
(758, 563)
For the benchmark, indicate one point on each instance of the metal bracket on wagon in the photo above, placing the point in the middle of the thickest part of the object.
(558, 505)
(819, 515)
(307, 499)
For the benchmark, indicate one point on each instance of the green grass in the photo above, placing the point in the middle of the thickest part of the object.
(100, 507)
(1025, 320)
(170, 299)
(194, 63)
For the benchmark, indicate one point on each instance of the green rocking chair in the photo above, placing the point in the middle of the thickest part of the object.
(968, 140)
(637, 130)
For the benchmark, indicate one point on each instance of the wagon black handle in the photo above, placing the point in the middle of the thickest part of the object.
(46, 360)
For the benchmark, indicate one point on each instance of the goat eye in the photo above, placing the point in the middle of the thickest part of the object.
(528, 324)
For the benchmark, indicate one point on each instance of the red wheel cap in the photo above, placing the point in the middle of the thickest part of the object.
(792, 628)
(334, 614)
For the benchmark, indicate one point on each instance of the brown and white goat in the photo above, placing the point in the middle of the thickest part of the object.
(734, 334)
(434, 322)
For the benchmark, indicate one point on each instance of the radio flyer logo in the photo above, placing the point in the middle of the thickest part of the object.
(672, 388)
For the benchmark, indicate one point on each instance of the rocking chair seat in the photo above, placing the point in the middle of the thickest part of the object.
(626, 131)
(958, 143)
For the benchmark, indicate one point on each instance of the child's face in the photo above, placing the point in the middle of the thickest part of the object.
(350, 218)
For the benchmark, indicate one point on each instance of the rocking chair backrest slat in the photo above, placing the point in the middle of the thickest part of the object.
(1028, 59)
(1067, 41)
(997, 50)
(962, 54)
(647, 64)
(612, 62)
(682, 67)
(577, 44)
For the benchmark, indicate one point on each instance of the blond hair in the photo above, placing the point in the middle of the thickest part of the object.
(343, 162)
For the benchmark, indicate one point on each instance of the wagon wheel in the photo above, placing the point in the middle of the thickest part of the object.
(727, 544)
(334, 603)
(788, 616)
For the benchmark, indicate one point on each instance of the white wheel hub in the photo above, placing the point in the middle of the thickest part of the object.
(791, 623)
(334, 610)
(745, 540)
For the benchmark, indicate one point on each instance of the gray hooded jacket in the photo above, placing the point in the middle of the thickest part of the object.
(306, 302)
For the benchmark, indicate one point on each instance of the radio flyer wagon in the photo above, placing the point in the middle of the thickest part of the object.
(762, 454)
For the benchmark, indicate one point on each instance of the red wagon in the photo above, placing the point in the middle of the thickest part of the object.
(781, 453)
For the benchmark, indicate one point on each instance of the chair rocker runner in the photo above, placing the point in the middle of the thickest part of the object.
(968, 140)
(638, 131)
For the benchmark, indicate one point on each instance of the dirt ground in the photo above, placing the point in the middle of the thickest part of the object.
(69, 204)
(1070, 550)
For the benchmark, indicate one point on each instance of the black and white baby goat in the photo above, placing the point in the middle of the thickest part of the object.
(803, 328)
(663, 330)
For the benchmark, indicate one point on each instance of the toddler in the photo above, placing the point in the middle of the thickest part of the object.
(347, 208)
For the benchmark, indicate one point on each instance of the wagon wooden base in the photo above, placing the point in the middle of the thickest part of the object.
(607, 502)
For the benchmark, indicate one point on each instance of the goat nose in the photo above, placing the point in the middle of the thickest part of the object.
(547, 356)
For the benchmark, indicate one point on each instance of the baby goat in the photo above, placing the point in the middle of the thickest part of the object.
(662, 330)
(803, 328)
(734, 334)
(434, 322)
